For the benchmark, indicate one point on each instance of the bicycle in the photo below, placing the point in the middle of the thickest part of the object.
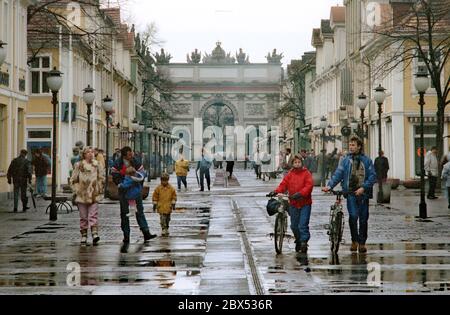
(336, 225)
(280, 221)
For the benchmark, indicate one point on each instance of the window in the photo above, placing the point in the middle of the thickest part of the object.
(39, 139)
(39, 73)
(420, 61)
(3, 138)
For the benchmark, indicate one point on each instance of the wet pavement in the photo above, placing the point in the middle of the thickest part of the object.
(220, 243)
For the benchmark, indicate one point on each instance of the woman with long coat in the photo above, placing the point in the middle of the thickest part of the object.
(87, 183)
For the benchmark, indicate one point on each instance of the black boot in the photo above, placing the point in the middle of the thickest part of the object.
(126, 239)
(303, 247)
(147, 235)
(25, 205)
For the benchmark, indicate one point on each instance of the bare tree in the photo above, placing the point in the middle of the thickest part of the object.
(418, 31)
(157, 88)
(293, 97)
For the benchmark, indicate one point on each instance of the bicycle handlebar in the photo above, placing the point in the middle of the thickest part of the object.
(341, 193)
(279, 195)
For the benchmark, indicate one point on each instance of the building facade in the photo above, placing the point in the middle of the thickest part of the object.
(13, 84)
(224, 91)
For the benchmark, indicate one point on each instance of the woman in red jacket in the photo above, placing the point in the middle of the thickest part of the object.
(299, 185)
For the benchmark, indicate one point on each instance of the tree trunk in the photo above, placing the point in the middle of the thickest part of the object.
(440, 138)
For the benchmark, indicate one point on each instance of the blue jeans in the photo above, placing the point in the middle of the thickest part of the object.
(20, 187)
(41, 185)
(181, 179)
(204, 174)
(300, 222)
(125, 220)
(358, 209)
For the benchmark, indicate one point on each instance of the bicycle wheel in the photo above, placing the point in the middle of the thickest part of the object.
(338, 229)
(279, 232)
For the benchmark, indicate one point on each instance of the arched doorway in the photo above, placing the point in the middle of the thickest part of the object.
(216, 118)
(218, 114)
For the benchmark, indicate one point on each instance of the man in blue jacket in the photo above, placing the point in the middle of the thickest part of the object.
(357, 174)
(118, 171)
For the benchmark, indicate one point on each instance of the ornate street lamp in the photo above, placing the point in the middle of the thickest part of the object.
(2, 52)
(54, 82)
(362, 103)
(380, 96)
(141, 138)
(422, 83)
(108, 105)
(135, 128)
(88, 98)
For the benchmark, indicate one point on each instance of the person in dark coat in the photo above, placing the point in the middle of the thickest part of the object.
(381, 164)
(41, 167)
(230, 167)
(19, 173)
(118, 172)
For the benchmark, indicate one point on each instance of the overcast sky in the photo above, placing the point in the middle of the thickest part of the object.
(257, 26)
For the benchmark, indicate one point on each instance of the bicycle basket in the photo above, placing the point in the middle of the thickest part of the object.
(272, 207)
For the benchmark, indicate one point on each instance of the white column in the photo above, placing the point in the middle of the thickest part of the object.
(398, 164)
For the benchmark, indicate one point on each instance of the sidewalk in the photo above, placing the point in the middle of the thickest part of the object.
(220, 244)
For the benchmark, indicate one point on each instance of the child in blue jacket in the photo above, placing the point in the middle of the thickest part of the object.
(132, 184)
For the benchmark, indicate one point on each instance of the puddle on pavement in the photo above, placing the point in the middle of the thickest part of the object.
(400, 268)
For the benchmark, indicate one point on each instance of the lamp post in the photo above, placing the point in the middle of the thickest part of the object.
(362, 103)
(380, 96)
(141, 137)
(323, 126)
(54, 82)
(134, 127)
(155, 134)
(160, 134)
(331, 137)
(107, 104)
(88, 98)
(149, 133)
(422, 83)
(2, 52)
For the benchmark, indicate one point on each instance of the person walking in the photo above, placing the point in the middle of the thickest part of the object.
(164, 200)
(432, 169)
(19, 174)
(446, 177)
(100, 157)
(181, 170)
(87, 183)
(257, 164)
(356, 174)
(41, 167)
(118, 171)
(204, 165)
(230, 167)
(381, 165)
(299, 185)
(287, 161)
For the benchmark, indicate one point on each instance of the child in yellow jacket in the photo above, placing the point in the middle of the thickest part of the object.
(164, 200)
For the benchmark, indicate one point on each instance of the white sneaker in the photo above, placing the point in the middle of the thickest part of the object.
(131, 212)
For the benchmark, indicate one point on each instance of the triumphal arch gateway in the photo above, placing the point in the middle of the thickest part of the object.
(217, 93)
